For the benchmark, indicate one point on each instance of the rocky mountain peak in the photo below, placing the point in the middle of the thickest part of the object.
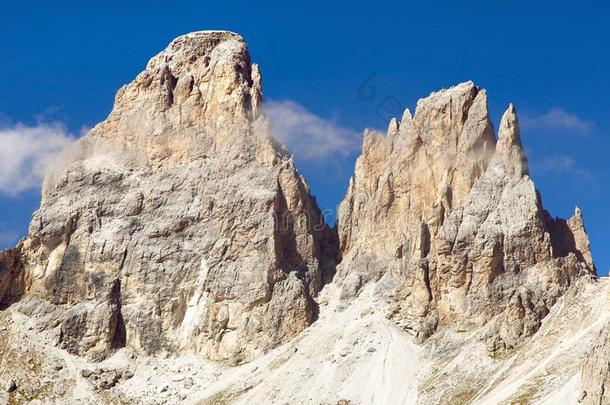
(214, 66)
(425, 165)
(449, 217)
(200, 95)
(178, 229)
(509, 150)
(176, 224)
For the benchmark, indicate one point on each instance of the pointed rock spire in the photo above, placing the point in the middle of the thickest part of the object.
(509, 150)
(393, 126)
(581, 238)
(393, 129)
(406, 122)
(406, 116)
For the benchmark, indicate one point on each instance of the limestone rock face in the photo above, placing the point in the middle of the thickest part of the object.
(449, 214)
(202, 83)
(427, 161)
(596, 371)
(10, 276)
(177, 223)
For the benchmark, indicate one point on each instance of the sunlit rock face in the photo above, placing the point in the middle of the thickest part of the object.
(177, 223)
(596, 371)
(449, 214)
(178, 226)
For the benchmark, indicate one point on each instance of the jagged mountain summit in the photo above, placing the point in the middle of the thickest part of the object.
(179, 257)
(177, 223)
(453, 218)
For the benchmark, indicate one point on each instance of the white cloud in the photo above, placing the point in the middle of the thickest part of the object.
(26, 152)
(308, 136)
(557, 119)
(562, 164)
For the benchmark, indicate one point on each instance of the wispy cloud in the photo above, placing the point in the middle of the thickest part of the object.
(8, 239)
(557, 119)
(26, 152)
(563, 165)
(307, 135)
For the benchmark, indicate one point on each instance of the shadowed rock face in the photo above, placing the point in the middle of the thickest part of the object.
(452, 217)
(177, 223)
(11, 276)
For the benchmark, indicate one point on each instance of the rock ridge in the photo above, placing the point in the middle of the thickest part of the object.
(179, 226)
(449, 213)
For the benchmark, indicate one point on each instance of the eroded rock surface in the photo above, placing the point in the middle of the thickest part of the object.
(596, 371)
(451, 215)
(178, 226)
(10, 276)
(177, 223)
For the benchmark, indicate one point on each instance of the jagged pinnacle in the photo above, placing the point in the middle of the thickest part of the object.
(509, 149)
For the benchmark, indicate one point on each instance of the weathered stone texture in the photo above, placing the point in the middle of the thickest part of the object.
(451, 215)
(178, 223)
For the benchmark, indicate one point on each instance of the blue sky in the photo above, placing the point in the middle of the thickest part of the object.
(62, 63)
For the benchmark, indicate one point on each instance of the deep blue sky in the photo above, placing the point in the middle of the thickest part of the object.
(65, 62)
